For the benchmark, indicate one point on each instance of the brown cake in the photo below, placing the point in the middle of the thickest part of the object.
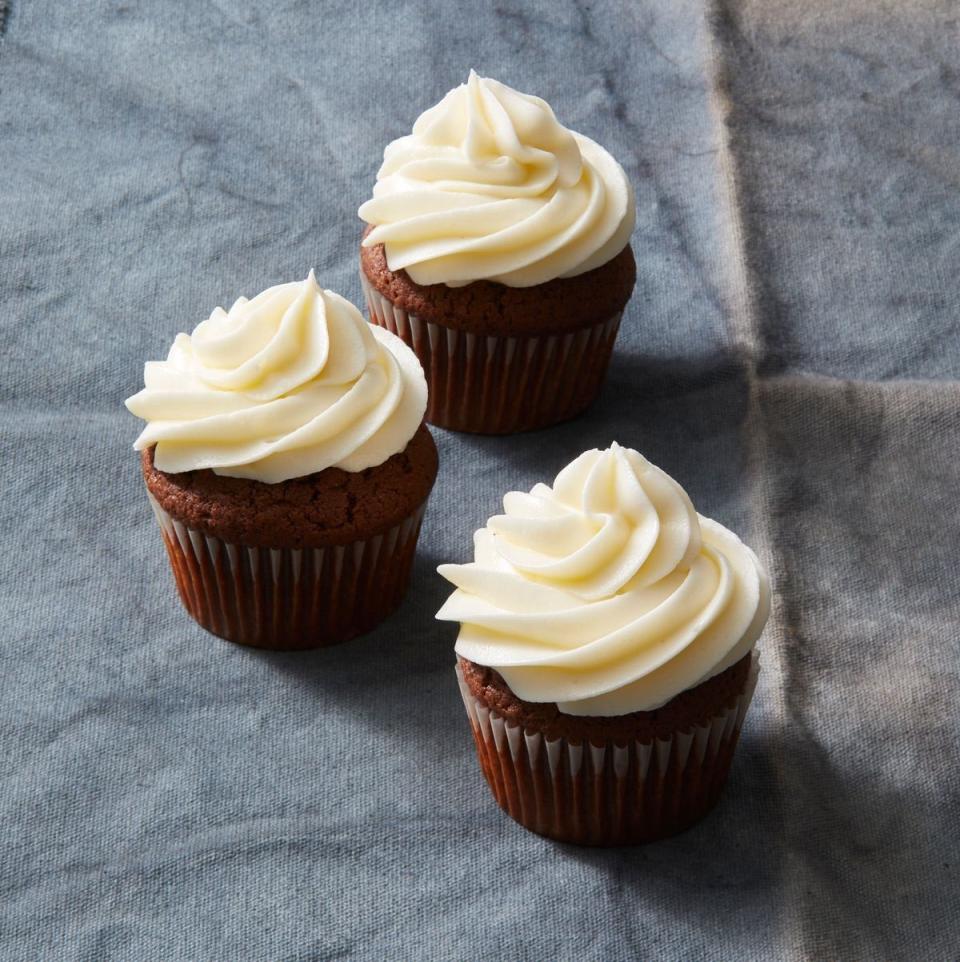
(333, 507)
(304, 563)
(603, 781)
(504, 359)
(488, 309)
(682, 713)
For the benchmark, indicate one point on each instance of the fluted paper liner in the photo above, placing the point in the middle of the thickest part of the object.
(499, 385)
(614, 793)
(284, 598)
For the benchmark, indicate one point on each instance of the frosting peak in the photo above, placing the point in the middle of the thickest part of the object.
(286, 384)
(489, 185)
(606, 593)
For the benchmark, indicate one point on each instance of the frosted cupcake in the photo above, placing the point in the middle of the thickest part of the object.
(605, 653)
(287, 463)
(498, 249)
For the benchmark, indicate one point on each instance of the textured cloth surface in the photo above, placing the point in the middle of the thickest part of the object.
(790, 355)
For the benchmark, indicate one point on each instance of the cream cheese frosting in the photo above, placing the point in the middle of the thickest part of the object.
(490, 186)
(606, 593)
(286, 384)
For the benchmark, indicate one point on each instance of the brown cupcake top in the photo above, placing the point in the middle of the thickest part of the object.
(491, 309)
(331, 507)
(681, 713)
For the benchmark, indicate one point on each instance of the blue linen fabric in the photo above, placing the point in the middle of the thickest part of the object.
(790, 355)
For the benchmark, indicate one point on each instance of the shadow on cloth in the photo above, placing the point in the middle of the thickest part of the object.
(401, 673)
(791, 820)
(687, 417)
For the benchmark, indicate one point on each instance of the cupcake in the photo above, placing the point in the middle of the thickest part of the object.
(605, 654)
(287, 463)
(498, 249)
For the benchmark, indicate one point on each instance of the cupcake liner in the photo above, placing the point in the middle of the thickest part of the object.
(285, 598)
(499, 385)
(611, 793)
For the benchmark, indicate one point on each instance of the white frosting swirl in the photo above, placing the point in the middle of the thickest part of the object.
(606, 593)
(289, 383)
(490, 186)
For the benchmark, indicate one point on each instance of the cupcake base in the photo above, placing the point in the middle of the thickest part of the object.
(289, 599)
(604, 791)
(501, 385)
(305, 563)
(503, 359)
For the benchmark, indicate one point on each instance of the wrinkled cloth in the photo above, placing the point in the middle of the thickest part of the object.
(790, 355)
